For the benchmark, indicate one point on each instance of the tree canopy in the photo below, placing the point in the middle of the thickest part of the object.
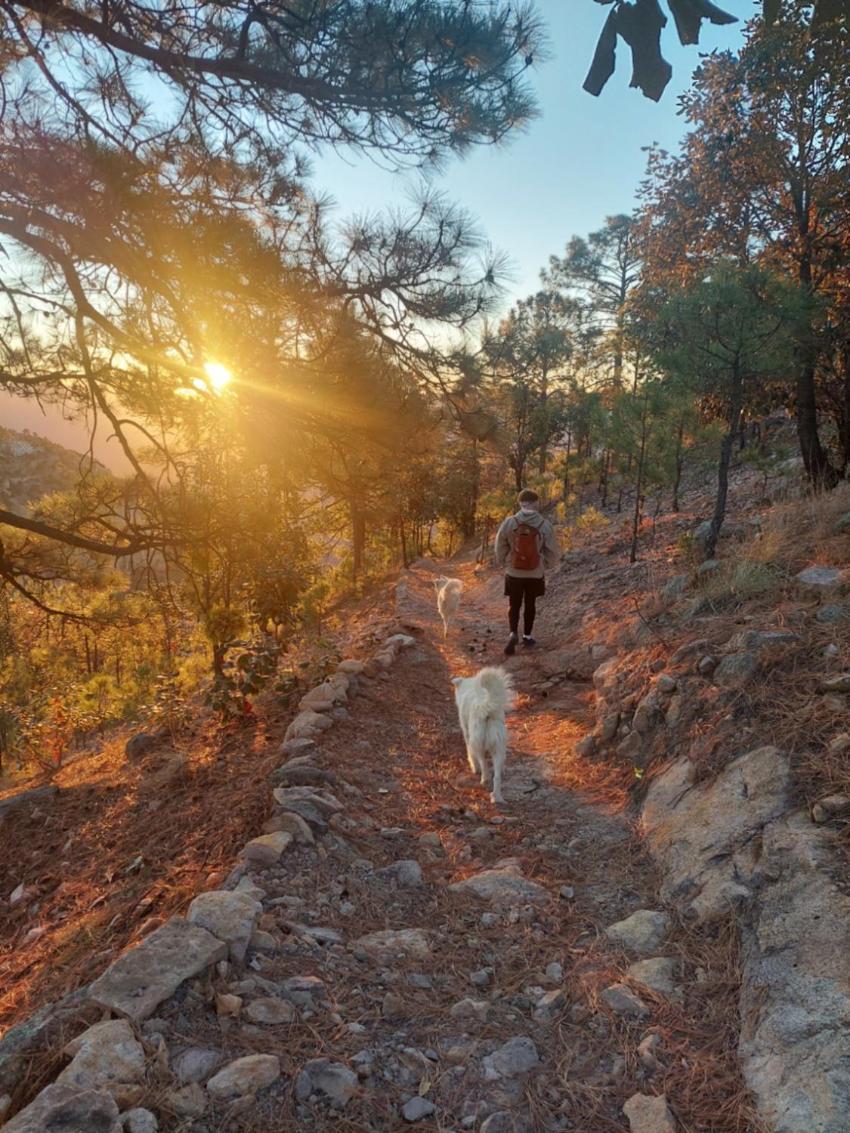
(155, 220)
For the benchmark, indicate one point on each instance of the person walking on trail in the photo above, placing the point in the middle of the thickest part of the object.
(526, 548)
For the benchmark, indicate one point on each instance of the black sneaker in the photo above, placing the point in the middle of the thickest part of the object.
(527, 642)
(510, 648)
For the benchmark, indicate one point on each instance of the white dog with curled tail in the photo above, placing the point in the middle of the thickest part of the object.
(482, 702)
(448, 599)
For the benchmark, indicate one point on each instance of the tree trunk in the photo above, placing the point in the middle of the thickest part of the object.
(639, 485)
(358, 540)
(567, 469)
(468, 524)
(723, 469)
(819, 470)
(603, 478)
(544, 401)
(843, 422)
(680, 463)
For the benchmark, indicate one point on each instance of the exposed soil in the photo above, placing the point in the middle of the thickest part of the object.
(123, 846)
(401, 774)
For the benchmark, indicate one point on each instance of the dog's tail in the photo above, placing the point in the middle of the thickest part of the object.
(498, 688)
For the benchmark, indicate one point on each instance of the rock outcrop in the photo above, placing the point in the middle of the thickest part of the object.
(738, 844)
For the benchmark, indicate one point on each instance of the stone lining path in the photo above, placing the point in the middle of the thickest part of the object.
(397, 951)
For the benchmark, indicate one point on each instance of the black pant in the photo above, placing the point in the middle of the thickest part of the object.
(523, 591)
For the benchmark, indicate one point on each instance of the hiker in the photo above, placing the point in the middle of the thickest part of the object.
(525, 547)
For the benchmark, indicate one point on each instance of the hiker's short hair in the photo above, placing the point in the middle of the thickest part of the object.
(528, 496)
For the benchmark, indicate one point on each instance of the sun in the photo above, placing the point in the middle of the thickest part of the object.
(218, 376)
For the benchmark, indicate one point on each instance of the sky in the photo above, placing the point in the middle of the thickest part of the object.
(581, 160)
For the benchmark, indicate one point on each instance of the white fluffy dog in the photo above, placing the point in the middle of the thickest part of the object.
(482, 701)
(448, 599)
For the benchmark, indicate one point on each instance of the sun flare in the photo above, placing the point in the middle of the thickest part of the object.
(218, 376)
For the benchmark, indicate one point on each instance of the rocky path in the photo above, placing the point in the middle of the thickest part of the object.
(400, 951)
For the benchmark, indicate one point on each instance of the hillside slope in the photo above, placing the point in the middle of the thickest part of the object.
(524, 1011)
(32, 467)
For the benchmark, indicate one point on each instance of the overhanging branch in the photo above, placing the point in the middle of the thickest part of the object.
(71, 539)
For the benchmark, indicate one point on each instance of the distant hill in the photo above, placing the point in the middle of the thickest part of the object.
(32, 467)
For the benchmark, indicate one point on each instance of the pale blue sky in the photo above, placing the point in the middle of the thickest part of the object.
(579, 162)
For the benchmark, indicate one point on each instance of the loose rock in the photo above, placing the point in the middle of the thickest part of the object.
(649, 1114)
(140, 745)
(624, 1002)
(390, 945)
(406, 874)
(270, 1011)
(658, 974)
(303, 991)
(641, 933)
(268, 848)
(516, 1056)
(230, 915)
(330, 1080)
(417, 1108)
(139, 1121)
(187, 1101)
(503, 885)
(195, 1064)
(735, 671)
(245, 1075)
(838, 683)
(820, 580)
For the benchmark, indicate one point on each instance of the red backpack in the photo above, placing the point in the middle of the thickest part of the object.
(526, 549)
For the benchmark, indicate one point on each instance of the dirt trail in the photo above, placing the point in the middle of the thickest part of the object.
(536, 972)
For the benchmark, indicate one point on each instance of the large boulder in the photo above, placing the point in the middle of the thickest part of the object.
(795, 997)
(107, 1056)
(31, 798)
(703, 835)
(142, 978)
(733, 843)
(67, 1109)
